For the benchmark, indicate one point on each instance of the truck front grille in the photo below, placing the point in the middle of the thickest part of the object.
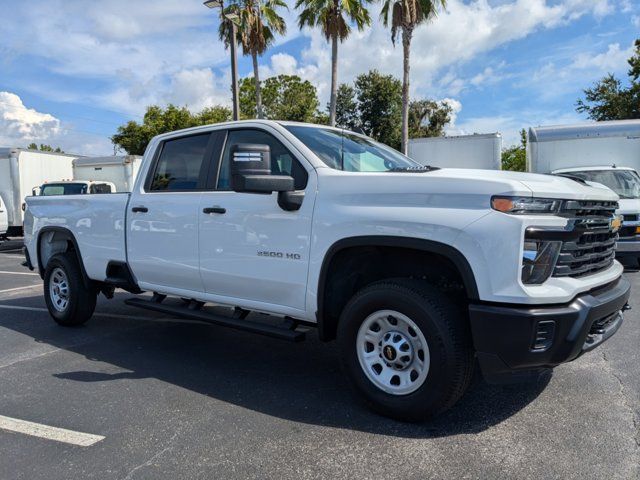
(594, 250)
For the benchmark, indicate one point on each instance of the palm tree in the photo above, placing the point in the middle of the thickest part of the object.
(406, 15)
(258, 23)
(333, 17)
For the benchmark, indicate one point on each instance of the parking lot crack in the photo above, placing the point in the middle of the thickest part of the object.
(625, 400)
(154, 457)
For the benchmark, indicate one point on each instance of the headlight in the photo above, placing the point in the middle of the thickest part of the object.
(525, 205)
(538, 260)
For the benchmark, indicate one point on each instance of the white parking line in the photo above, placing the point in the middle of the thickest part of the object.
(39, 285)
(19, 273)
(50, 433)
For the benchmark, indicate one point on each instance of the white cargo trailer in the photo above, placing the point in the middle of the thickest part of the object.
(20, 171)
(604, 152)
(4, 224)
(463, 151)
(121, 170)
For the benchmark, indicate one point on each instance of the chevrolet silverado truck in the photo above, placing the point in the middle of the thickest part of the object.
(418, 272)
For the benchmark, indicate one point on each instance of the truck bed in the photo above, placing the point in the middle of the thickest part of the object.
(96, 221)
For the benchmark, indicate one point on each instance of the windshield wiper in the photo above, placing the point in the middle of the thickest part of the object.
(420, 169)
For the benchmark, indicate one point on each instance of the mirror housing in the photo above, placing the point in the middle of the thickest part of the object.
(251, 170)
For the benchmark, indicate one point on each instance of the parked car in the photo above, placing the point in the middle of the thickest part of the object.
(603, 152)
(461, 151)
(74, 187)
(20, 170)
(626, 183)
(416, 271)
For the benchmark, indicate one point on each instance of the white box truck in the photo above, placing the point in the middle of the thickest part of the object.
(121, 170)
(463, 151)
(20, 171)
(605, 152)
(4, 224)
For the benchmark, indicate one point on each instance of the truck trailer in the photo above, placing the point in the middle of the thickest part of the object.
(607, 153)
(121, 170)
(20, 171)
(463, 151)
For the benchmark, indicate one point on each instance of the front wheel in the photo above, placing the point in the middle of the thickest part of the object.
(69, 301)
(406, 348)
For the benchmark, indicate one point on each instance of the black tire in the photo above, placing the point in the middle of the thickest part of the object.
(446, 329)
(81, 301)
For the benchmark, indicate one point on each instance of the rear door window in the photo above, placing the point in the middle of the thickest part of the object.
(180, 166)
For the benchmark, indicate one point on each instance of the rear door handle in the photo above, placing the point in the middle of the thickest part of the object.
(139, 209)
(216, 209)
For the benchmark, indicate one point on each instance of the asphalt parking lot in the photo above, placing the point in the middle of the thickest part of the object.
(177, 399)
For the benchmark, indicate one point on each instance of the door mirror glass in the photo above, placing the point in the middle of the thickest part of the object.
(251, 170)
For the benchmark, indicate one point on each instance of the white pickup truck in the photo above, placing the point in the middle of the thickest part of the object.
(416, 271)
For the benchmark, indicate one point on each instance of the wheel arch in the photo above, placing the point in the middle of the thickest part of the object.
(327, 323)
(58, 240)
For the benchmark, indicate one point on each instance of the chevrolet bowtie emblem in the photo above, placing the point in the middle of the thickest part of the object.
(616, 223)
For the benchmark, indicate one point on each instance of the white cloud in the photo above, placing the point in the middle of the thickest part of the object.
(626, 6)
(611, 60)
(636, 21)
(462, 32)
(20, 125)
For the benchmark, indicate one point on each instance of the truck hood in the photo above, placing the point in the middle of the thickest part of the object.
(533, 184)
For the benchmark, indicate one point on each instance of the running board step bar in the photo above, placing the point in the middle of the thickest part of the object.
(282, 333)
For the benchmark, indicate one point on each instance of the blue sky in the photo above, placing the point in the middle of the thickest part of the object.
(73, 70)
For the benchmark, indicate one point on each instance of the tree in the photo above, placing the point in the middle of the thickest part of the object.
(346, 108)
(405, 16)
(608, 99)
(258, 23)
(515, 157)
(284, 97)
(44, 148)
(428, 118)
(134, 137)
(333, 17)
(379, 106)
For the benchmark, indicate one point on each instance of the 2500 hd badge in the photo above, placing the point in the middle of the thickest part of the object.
(288, 256)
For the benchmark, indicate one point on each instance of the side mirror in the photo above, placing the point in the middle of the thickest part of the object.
(251, 170)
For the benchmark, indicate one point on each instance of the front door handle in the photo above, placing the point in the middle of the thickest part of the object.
(216, 209)
(139, 209)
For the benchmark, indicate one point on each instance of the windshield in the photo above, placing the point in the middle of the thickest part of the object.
(63, 189)
(625, 183)
(344, 150)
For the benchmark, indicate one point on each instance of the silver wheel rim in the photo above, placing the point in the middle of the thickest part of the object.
(59, 289)
(393, 352)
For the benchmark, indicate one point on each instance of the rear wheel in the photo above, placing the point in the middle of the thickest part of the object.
(406, 348)
(69, 301)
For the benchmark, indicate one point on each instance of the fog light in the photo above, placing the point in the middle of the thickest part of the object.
(538, 260)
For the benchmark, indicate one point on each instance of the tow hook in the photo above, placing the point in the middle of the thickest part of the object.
(626, 307)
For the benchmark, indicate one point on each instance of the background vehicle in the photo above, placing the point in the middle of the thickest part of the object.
(414, 270)
(74, 187)
(20, 170)
(626, 183)
(121, 170)
(4, 223)
(604, 152)
(464, 151)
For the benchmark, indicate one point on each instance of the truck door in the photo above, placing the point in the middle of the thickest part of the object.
(250, 248)
(162, 221)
